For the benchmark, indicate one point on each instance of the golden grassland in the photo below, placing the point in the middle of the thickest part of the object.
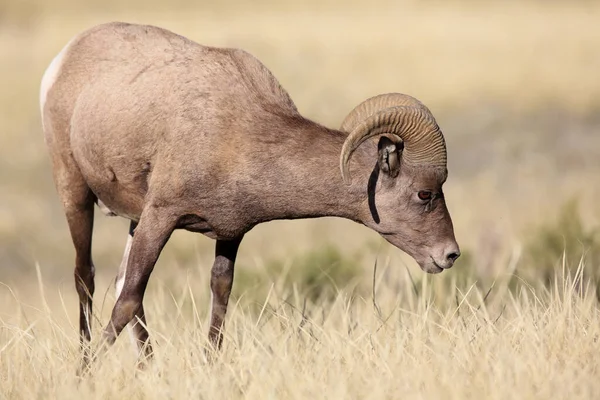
(413, 343)
(514, 87)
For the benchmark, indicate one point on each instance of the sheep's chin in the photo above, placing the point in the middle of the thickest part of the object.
(431, 268)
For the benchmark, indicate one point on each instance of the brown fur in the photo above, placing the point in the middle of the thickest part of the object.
(174, 135)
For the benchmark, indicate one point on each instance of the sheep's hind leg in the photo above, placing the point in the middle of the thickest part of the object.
(78, 202)
(137, 328)
(221, 282)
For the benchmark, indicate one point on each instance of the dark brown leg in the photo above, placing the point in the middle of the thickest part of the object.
(137, 331)
(153, 231)
(78, 202)
(221, 282)
(80, 217)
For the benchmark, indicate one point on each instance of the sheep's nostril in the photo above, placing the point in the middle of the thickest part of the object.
(453, 256)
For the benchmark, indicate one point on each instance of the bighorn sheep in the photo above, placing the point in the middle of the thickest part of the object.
(172, 135)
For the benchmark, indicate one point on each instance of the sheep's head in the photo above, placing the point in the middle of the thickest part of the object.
(405, 197)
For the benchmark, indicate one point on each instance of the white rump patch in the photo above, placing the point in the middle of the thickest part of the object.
(51, 75)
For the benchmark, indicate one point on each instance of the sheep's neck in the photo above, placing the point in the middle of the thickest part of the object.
(304, 180)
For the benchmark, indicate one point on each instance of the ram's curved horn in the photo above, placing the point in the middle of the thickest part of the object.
(397, 115)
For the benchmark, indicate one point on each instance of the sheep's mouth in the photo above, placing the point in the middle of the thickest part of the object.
(431, 267)
(437, 268)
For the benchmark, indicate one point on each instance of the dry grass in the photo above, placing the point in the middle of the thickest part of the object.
(440, 343)
(514, 87)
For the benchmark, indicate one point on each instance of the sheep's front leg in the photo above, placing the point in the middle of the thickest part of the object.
(137, 328)
(221, 282)
(151, 234)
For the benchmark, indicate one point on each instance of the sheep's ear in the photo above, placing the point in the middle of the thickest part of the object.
(389, 156)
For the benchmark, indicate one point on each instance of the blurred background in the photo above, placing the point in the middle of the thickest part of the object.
(513, 84)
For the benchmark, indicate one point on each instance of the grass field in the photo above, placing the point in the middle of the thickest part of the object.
(422, 342)
(514, 87)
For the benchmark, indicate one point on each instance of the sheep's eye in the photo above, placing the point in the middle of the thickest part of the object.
(424, 195)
